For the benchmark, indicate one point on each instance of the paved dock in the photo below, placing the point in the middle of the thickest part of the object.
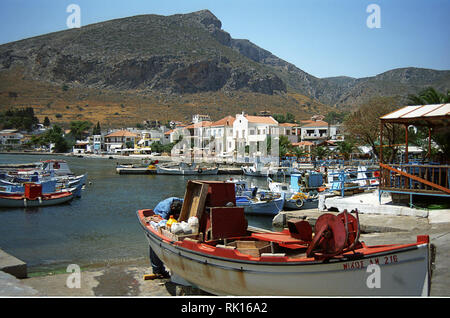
(12, 265)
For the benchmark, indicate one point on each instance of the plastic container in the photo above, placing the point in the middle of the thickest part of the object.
(176, 228)
(154, 225)
(186, 228)
(193, 224)
(162, 223)
(170, 222)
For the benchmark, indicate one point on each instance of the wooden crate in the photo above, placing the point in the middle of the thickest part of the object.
(194, 200)
(253, 248)
(178, 237)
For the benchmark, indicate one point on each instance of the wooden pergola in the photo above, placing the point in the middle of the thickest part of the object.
(416, 179)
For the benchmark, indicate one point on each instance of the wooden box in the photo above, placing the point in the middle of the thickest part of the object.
(253, 248)
(178, 237)
(194, 200)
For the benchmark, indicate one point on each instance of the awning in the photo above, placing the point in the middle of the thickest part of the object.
(420, 115)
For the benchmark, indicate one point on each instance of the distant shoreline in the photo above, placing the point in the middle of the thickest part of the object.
(107, 156)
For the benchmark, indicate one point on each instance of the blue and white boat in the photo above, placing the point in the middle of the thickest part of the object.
(48, 186)
(261, 205)
(295, 198)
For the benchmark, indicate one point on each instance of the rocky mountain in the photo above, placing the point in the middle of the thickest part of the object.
(347, 91)
(175, 54)
(174, 66)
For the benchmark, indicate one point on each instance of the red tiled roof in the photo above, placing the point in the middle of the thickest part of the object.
(121, 133)
(200, 124)
(261, 120)
(226, 121)
(318, 123)
(302, 143)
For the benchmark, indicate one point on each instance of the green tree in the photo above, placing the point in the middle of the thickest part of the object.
(364, 126)
(429, 96)
(97, 130)
(53, 135)
(78, 128)
(46, 122)
(319, 152)
(22, 119)
(335, 117)
(285, 145)
(298, 152)
(290, 118)
(441, 136)
(345, 148)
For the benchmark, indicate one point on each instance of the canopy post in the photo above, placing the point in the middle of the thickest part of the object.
(406, 143)
(429, 142)
(381, 141)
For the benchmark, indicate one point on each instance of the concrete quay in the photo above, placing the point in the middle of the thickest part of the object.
(369, 203)
(12, 265)
(378, 229)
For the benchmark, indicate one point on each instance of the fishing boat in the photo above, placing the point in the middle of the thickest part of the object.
(20, 200)
(48, 186)
(266, 205)
(258, 170)
(186, 169)
(226, 257)
(295, 198)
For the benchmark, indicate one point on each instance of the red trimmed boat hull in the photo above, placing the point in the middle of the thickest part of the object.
(388, 270)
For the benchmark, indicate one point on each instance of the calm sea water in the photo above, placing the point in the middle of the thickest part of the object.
(99, 227)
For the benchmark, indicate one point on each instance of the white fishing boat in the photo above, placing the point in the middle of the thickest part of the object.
(261, 205)
(186, 169)
(259, 170)
(294, 198)
(333, 262)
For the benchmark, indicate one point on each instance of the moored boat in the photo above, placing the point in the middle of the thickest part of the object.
(46, 199)
(185, 169)
(258, 170)
(261, 206)
(234, 260)
(294, 199)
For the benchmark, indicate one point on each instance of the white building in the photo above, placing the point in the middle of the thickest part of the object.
(98, 143)
(199, 118)
(221, 132)
(82, 147)
(292, 131)
(319, 130)
(253, 131)
(117, 141)
(10, 137)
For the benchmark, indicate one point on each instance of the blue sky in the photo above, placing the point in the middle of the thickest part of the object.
(322, 37)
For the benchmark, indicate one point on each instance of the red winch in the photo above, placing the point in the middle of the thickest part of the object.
(334, 235)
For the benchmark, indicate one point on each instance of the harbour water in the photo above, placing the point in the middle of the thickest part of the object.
(100, 227)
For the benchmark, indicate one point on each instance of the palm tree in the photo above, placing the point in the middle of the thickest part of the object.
(298, 152)
(345, 148)
(429, 96)
(319, 152)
